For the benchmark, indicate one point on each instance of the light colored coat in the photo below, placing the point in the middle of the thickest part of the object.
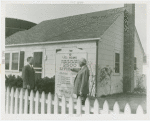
(81, 82)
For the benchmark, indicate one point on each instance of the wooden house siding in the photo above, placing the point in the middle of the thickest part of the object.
(111, 41)
(139, 57)
(50, 52)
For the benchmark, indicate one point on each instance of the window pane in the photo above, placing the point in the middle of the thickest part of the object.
(117, 62)
(7, 60)
(37, 59)
(135, 63)
(15, 61)
(116, 57)
(117, 68)
(134, 59)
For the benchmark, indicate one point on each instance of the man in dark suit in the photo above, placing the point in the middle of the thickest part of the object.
(28, 75)
(81, 82)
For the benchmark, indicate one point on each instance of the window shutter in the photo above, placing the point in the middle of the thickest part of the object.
(21, 65)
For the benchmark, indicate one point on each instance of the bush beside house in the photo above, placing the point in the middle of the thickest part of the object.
(45, 84)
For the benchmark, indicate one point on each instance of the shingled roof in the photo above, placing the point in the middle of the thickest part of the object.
(89, 25)
(13, 25)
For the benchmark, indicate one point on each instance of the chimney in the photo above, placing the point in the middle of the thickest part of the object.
(128, 61)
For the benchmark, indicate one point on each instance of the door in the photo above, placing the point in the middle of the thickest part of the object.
(38, 64)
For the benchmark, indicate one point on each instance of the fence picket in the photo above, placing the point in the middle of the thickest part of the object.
(8, 101)
(116, 108)
(26, 104)
(31, 102)
(21, 102)
(12, 101)
(79, 109)
(16, 101)
(49, 103)
(37, 103)
(139, 110)
(87, 106)
(43, 103)
(56, 104)
(96, 107)
(12, 97)
(127, 109)
(71, 105)
(105, 107)
(63, 105)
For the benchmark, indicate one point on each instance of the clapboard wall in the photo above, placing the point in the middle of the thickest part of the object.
(138, 53)
(111, 42)
(49, 52)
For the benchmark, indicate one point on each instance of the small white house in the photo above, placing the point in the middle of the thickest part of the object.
(104, 35)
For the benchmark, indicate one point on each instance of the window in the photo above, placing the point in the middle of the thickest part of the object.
(15, 58)
(14, 61)
(117, 62)
(135, 63)
(7, 61)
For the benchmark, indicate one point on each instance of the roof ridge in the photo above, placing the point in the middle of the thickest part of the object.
(86, 24)
(83, 14)
(21, 20)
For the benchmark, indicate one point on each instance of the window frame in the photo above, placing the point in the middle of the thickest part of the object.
(117, 51)
(10, 65)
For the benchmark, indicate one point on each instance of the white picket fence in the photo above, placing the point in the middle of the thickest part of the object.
(19, 102)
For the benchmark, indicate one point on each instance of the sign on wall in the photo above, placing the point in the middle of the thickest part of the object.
(64, 79)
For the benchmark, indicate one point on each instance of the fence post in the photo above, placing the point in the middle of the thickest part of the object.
(105, 107)
(87, 106)
(127, 109)
(26, 102)
(8, 101)
(139, 110)
(12, 101)
(63, 106)
(56, 103)
(43, 103)
(71, 105)
(37, 103)
(116, 108)
(31, 102)
(16, 101)
(96, 107)
(49, 103)
(79, 109)
(21, 102)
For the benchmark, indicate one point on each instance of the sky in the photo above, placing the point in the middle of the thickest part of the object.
(39, 12)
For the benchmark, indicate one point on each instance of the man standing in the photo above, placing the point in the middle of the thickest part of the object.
(81, 82)
(28, 75)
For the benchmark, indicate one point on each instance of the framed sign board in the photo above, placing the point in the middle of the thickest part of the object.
(64, 79)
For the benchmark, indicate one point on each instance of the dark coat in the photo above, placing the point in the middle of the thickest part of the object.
(81, 82)
(28, 76)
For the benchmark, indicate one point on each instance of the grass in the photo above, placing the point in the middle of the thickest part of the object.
(132, 99)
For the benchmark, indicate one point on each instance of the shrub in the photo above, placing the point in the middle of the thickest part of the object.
(46, 84)
(105, 77)
(13, 81)
(140, 89)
